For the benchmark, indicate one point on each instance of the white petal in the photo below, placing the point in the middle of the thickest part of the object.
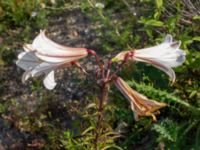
(160, 65)
(55, 59)
(21, 55)
(28, 47)
(46, 67)
(45, 46)
(160, 50)
(26, 75)
(42, 68)
(166, 68)
(168, 39)
(27, 60)
(175, 45)
(49, 81)
(181, 58)
(174, 59)
(153, 52)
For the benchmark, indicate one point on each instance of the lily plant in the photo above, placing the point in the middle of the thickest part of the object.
(45, 56)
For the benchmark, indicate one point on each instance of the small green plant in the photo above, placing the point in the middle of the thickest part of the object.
(22, 13)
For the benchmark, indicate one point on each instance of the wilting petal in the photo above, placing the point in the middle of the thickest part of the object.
(140, 104)
(49, 81)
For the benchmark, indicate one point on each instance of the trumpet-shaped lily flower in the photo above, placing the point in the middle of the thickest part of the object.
(140, 104)
(44, 56)
(163, 56)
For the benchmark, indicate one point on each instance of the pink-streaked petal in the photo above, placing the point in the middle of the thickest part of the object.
(160, 65)
(45, 46)
(164, 67)
(56, 59)
(49, 81)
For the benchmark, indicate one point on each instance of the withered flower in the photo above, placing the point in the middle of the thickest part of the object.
(140, 104)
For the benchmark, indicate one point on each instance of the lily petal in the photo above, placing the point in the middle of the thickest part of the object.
(49, 81)
(26, 75)
(162, 66)
(57, 59)
(46, 47)
(168, 39)
(27, 60)
(163, 56)
(46, 67)
(44, 56)
(28, 47)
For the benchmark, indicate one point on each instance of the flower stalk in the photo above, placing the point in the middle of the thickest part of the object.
(102, 101)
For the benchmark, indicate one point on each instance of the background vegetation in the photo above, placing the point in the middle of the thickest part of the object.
(34, 118)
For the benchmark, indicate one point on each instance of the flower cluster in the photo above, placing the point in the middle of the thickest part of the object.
(44, 56)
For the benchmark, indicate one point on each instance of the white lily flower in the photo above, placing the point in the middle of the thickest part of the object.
(163, 56)
(44, 56)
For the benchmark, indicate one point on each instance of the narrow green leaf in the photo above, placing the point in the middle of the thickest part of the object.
(193, 94)
(196, 18)
(159, 3)
(196, 38)
(88, 129)
(112, 146)
(152, 22)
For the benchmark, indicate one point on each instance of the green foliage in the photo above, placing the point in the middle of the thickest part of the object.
(167, 130)
(22, 13)
(19, 18)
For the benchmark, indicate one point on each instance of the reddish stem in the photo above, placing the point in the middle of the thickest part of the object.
(103, 98)
(119, 67)
(93, 53)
